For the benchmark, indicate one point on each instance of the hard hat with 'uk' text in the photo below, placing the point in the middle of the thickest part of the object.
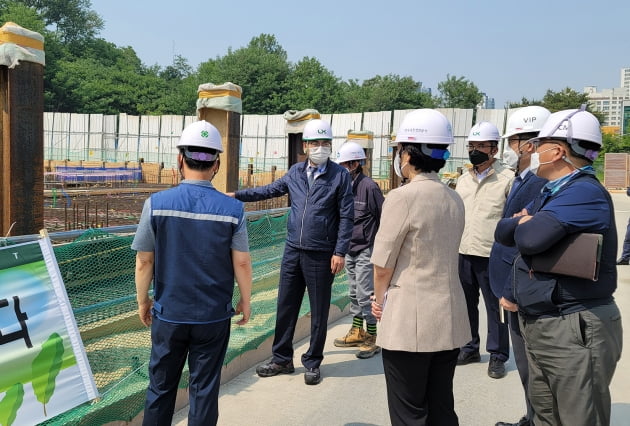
(317, 129)
(484, 131)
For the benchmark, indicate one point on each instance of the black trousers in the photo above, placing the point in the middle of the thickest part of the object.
(205, 346)
(420, 387)
(473, 274)
(300, 270)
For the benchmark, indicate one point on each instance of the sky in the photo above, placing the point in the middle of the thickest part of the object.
(509, 49)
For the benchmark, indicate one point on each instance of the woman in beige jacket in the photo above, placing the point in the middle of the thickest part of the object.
(417, 294)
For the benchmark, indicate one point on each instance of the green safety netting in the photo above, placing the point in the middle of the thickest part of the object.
(98, 271)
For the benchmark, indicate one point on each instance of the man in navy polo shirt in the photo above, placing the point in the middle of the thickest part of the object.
(192, 242)
(571, 326)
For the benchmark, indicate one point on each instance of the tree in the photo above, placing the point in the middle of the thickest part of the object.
(566, 98)
(458, 92)
(73, 20)
(389, 92)
(261, 69)
(311, 85)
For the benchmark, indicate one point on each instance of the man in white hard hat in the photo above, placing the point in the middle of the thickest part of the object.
(368, 200)
(484, 189)
(192, 243)
(570, 324)
(318, 233)
(522, 125)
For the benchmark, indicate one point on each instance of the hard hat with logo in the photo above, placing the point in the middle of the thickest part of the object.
(426, 126)
(201, 134)
(350, 151)
(573, 125)
(317, 129)
(529, 119)
(484, 131)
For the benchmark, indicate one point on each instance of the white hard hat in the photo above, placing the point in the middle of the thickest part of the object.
(201, 134)
(573, 125)
(317, 129)
(484, 131)
(526, 120)
(426, 126)
(350, 151)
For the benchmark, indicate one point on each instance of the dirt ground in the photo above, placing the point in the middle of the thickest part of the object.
(67, 209)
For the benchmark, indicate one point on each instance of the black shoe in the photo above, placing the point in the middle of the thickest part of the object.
(273, 369)
(312, 376)
(496, 368)
(522, 422)
(467, 357)
(623, 261)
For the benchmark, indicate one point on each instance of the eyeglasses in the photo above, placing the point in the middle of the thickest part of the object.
(480, 146)
(323, 143)
(518, 139)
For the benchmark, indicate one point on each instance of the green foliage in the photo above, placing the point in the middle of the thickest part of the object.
(566, 98)
(383, 93)
(46, 367)
(615, 143)
(311, 85)
(10, 404)
(23, 15)
(458, 92)
(73, 20)
(261, 69)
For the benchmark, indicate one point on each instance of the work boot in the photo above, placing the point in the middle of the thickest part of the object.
(368, 349)
(355, 337)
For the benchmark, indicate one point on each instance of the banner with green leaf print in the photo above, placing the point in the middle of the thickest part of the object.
(44, 369)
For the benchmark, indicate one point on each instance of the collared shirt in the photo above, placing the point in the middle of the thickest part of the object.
(482, 175)
(317, 170)
(144, 239)
(553, 186)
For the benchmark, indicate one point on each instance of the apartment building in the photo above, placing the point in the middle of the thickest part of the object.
(610, 101)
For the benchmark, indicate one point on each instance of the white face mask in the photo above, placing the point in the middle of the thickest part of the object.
(534, 161)
(320, 154)
(510, 158)
(398, 168)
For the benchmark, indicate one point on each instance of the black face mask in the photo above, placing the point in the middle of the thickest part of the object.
(478, 157)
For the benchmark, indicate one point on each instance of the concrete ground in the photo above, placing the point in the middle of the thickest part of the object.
(352, 391)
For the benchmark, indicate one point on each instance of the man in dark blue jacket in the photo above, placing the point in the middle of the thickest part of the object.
(318, 233)
(571, 325)
(522, 125)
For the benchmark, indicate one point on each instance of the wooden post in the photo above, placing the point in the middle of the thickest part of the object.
(221, 106)
(22, 135)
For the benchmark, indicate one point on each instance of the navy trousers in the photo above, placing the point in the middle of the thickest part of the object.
(205, 346)
(473, 274)
(300, 270)
(625, 254)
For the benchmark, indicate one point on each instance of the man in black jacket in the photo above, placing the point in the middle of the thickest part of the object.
(368, 200)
